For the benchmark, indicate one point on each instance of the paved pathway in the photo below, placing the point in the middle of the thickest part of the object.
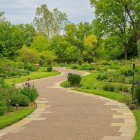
(63, 114)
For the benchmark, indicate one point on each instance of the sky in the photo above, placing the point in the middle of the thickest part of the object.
(23, 11)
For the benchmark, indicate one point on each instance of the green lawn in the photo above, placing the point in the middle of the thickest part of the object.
(32, 76)
(92, 81)
(16, 116)
(112, 95)
(137, 116)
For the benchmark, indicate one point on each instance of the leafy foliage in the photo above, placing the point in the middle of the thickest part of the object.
(30, 92)
(28, 55)
(49, 68)
(3, 108)
(119, 18)
(74, 79)
(19, 99)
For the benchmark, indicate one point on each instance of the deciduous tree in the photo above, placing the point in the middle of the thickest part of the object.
(122, 18)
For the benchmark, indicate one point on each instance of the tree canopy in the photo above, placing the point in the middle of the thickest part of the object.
(121, 18)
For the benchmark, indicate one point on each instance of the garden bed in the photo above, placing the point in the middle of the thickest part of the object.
(19, 114)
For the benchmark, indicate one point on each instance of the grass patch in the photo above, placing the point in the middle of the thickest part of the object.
(112, 95)
(16, 116)
(32, 76)
(137, 116)
(92, 81)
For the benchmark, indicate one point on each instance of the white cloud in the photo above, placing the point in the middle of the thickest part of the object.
(23, 11)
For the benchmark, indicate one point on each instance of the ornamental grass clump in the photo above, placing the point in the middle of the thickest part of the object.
(30, 92)
(74, 79)
(109, 87)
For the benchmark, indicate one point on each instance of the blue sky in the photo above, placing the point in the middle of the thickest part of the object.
(23, 11)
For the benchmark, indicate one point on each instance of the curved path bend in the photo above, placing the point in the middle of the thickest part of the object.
(63, 114)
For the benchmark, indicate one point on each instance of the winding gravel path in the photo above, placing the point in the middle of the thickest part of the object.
(63, 114)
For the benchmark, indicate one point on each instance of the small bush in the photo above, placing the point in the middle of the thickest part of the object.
(121, 79)
(102, 76)
(2, 82)
(49, 68)
(74, 66)
(137, 94)
(3, 108)
(109, 87)
(30, 92)
(20, 65)
(74, 79)
(126, 71)
(122, 88)
(19, 99)
(31, 67)
(87, 66)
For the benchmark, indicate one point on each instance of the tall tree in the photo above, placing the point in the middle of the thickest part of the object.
(121, 17)
(58, 45)
(49, 23)
(90, 43)
(2, 17)
(13, 37)
(60, 20)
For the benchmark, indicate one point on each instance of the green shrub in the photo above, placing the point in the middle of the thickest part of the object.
(49, 68)
(102, 76)
(3, 108)
(30, 92)
(74, 66)
(125, 89)
(8, 70)
(31, 67)
(2, 82)
(87, 66)
(19, 99)
(137, 94)
(122, 88)
(126, 71)
(74, 79)
(109, 87)
(20, 65)
(121, 79)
